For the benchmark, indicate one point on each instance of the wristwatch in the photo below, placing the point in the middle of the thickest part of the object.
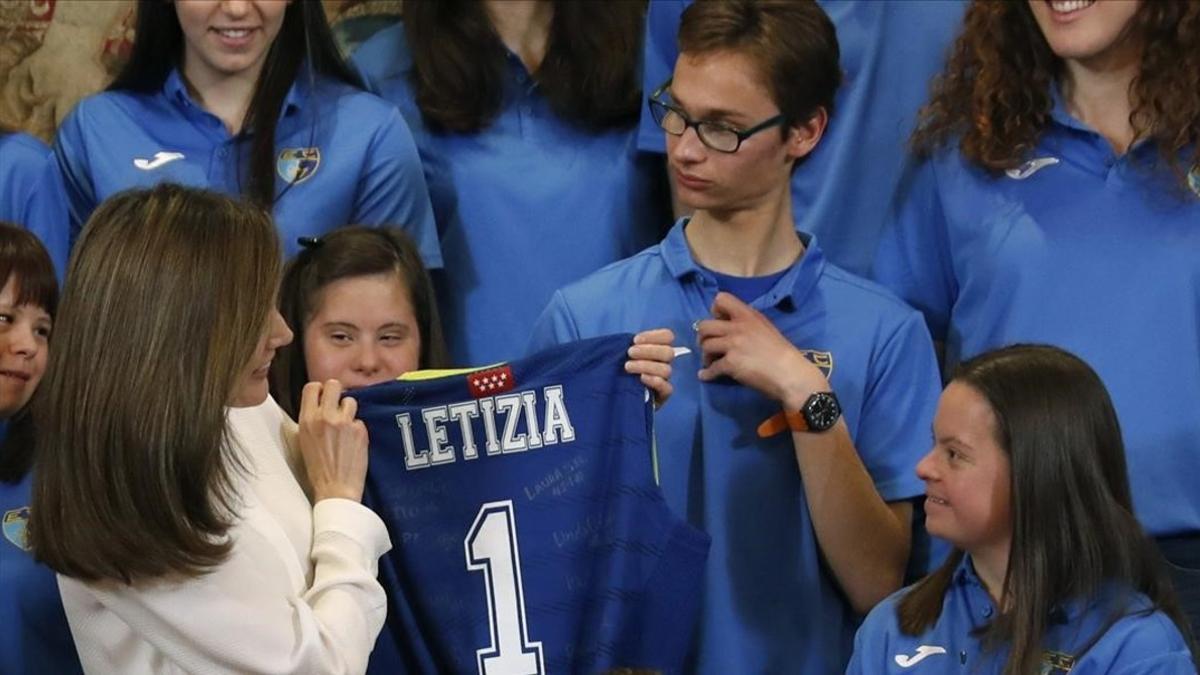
(819, 413)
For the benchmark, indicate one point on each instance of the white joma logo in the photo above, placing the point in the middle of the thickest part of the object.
(160, 158)
(1031, 167)
(923, 652)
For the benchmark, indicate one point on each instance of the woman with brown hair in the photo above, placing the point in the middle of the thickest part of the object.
(1051, 572)
(1059, 203)
(525, 115)
(164, 495)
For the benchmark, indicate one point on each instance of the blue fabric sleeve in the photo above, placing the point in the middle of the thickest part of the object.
(555, 326)
(47, 216)
(659, 51)
(871, 639)
(1142, 645)
(913, 258)
(1175, 663)
(382, 56)
(20, 176)
(393, 190)
(898, 408)
(74, 166)
(855, 667)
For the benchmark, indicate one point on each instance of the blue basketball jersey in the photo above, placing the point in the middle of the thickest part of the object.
(529, 533)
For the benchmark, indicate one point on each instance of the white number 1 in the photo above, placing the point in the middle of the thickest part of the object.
(491, 547)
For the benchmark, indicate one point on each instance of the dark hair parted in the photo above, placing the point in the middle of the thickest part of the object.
(304, 39)
(590, 73)
(1073, 528)
(24, 260)
(994, 96)
(167, 294)
(346, 253)
(793, 42)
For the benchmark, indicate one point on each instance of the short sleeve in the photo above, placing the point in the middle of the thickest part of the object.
(913, 258)
(1174, 663)
(871, 641)
(1141, 644)
(383, 56)
(898, 407)
(555, 326)
(47, 215)
(392, 190)
(20, 172)
(75, 170)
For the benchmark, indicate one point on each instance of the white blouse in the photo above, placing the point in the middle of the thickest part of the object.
(298, 593)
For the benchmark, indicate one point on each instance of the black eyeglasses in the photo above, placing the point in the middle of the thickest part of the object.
(715, 135)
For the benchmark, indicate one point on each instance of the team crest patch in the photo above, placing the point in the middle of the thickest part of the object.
(820, 359)
(491, 381)
(1056, 663)
(1193, 179)
(14, 527)
(296, 165)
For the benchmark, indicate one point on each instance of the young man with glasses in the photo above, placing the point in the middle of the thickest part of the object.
(889, 53)
(797, 422)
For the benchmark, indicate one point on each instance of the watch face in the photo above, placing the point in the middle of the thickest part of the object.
(822, 411)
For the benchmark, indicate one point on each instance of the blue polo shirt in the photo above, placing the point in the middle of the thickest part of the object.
(350, 155)
(771, 605)
(1081, 249)
(22, 160)
(36, 637)
(523, 207)
(1142, 641)
(889, 53)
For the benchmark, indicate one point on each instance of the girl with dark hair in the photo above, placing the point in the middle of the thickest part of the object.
(246, 97)
(1051, 572)
(36, 638)
(363, 306)
(194, 527)
(364, 310)
(524, 113)
(1059, 202)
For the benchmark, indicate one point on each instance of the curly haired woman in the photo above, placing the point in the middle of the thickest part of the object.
(1059, 202)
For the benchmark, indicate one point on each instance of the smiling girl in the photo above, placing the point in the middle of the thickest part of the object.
(363, 309)
(1051, 572)
(1058, 203)
(36, 636)
(248, 97)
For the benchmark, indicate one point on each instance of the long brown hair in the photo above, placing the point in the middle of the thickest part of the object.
(304, 47)
(345, 253)
(589, 74)
(1073, 527)
(24, 260)
(167, 294)
(994, 96)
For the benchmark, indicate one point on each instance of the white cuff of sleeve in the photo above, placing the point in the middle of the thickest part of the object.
(350, 518)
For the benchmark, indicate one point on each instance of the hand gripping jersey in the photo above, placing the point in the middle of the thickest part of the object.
(529, 532)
